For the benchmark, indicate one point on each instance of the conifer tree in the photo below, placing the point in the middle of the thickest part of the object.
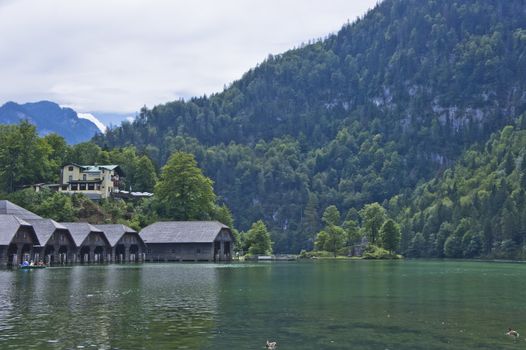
(390, 234)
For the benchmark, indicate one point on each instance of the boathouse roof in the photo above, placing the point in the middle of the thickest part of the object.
(80, 230)
(44, 228)
(115, 232)
(9, 208)
(182, 231)
(9, 225)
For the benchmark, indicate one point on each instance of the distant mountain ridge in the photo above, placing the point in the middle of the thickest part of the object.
(49, 117)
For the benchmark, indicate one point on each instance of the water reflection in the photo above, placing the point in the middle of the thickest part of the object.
(108, 307)
(6, 305)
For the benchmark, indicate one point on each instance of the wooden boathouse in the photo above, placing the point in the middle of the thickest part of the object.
(17, 240)
(126, 244)
(26, 236)
(188, 241)
(56, 243)
(92, 245)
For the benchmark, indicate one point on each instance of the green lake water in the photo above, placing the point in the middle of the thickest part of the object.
(302, 305)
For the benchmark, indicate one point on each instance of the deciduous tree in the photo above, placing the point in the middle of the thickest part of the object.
(373, 216)
(183, 192)
(258, 239)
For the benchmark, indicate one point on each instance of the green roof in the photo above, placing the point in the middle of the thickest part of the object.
(97, 168)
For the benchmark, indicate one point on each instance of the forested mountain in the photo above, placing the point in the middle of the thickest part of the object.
(476, 208)
(49, 118)
(361, 116)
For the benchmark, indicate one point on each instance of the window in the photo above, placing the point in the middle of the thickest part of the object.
(198, 250)
(70, 168)
(82, 187)
(84, 177)
(74, 187)
(91, 187)
(70, 178)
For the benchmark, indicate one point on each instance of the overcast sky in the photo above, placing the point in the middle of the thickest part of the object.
(116, 56)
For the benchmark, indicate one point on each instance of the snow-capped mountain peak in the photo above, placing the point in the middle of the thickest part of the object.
(94, 120)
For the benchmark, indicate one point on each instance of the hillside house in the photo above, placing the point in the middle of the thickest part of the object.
(95, 181)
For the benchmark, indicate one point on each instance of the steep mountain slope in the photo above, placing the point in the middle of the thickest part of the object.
(360, 116)
(476, 208)
(49, 117)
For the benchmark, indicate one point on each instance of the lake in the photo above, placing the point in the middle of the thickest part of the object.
(302, 305)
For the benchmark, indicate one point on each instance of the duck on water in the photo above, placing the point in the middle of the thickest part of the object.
(512, 333)
(271, 345)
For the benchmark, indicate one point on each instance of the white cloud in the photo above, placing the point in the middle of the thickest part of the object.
(116, 56)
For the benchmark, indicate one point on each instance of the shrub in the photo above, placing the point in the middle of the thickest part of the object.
(316, 254)
(374, 252)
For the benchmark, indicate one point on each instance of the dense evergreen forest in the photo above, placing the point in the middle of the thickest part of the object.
(391, 100)
(475, 208)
